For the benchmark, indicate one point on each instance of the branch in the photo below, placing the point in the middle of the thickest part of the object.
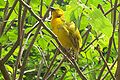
(49, 68)
(56, 69)
(11, 51)
(33, 40)
(110, 10)
(92, 42)
(40, 69)
(118, 63)
(111, 39)
(100, 6)
(63, 75)
(4, 71)
(9, 27)
(110, 68)
(37, 23)
(105, 62)
(27, 53)
(86, 33)
(45, 27)
(74, 64)
(20, 36)
(7, 17)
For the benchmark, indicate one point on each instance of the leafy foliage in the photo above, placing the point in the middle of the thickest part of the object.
(87, 17)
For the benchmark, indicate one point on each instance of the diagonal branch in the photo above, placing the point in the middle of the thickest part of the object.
(11, 51)
(4, 71)
(49, 68)
(111, 10)
(105, 62)
(7, 17)
(92, 42)
(33, 40)
(110, 68)
(118, 64)
(53, 35)
(111, 40)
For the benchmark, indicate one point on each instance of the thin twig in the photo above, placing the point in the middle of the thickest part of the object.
(39, 70)
(110, 10)
(61, 47)
(114, 44)
(9, 27)
(49, 68)
(4, 71)
(110, 41)
(11, 51)
(87, 32)
(100, 6)
(6, 9)
(33, 40)
(41, 4)
(56, 69)
(34, 26)
(7, 17)
(63, 75)
(107, 57)
(92, 42)
(80, 16)
(43, 56)
(110, 68)
(37, 23)
(118, 63)
(105, 62)
(19, 34)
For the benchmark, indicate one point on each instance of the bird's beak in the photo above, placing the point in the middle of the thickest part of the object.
(52, 9)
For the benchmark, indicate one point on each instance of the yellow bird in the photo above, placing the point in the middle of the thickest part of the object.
(68, 35)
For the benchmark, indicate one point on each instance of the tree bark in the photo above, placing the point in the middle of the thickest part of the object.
(118, 63)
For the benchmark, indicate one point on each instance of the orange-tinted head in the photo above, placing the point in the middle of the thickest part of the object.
(57, 13)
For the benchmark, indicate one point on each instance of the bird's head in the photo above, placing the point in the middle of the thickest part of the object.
(57, 13)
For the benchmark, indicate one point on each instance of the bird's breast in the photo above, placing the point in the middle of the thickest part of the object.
(62, 33)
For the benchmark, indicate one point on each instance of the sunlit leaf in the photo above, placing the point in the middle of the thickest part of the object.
(9, 68)
(98, 21)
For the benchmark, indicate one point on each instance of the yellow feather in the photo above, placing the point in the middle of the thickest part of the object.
(67, 33)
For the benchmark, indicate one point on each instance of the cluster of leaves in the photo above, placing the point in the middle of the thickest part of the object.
(85, 14)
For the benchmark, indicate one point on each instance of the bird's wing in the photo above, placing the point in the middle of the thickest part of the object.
(74, 35)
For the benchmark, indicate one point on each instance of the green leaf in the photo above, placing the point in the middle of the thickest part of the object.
(94, 2)
(2, 3)
(89, 55)
(16, 51)
(51, 47)
(68, 76)
(9, 68)
(12, 35)
(42, 43)
(83, 54)
(70, 9)
(74, 13)
(98, 21)
(3, 39)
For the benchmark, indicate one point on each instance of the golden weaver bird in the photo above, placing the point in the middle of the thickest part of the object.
(68, 35)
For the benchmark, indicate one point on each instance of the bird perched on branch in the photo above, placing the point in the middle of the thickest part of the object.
(68, 35)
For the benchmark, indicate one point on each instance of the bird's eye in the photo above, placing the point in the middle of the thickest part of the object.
(58, 16)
